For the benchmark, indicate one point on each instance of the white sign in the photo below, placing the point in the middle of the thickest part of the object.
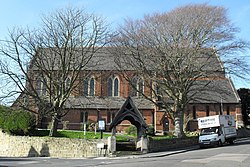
(101, 124)
(216, 120)
(206, 122)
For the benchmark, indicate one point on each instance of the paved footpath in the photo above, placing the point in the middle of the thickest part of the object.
(86, 162)
(164, 153)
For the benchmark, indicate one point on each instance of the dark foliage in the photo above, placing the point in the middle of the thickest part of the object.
(16, 122)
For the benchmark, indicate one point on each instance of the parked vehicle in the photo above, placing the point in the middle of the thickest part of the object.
(216, 130)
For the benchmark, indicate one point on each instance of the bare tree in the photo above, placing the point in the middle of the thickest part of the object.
(172, 51)
(45, 66)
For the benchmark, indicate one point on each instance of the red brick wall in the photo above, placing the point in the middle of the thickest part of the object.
(101, 78)
(74, 116)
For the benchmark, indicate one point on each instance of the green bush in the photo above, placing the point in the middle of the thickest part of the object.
(16, 122)
(170, 134)
(4, 113)
(131, 130)
(191, 134)
(151, 130)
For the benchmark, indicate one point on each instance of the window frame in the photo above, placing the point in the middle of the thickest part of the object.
(138, 83)
(113, 85)
(41, 86)
(84, 117)
(88, 87)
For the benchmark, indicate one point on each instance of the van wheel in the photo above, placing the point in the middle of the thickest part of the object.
(219, 143)
(231, 142)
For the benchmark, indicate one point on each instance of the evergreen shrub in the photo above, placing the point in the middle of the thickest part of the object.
(17, 122)
(151, 130)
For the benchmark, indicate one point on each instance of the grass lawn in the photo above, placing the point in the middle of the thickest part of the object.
(80, 135)
(92, 135)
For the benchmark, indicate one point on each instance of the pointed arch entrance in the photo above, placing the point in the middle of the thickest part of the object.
(130, 112)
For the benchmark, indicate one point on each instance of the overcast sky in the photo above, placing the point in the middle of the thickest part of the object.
(28, 13)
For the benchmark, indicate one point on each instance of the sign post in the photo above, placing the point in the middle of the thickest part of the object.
(101, 126)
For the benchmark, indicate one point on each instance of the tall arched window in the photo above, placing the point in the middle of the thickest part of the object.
(113, 86)
(110, 87)
(116, 87)
(140, 86)
(92, 87)
(85, 87)
(84, 117)
(41, 87)
(137, 86)
(110, 116)
(89, 86)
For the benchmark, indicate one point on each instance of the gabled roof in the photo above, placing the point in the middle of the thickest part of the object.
(214, 91)
(106, 59)
(129, 112)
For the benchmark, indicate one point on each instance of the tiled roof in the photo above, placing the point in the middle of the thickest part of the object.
(106, 102)
(213, 91)
(105, 59)
(204, 91)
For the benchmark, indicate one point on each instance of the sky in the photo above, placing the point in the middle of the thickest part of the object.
(28, 13)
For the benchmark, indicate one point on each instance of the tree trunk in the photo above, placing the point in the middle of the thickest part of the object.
(39, 120)
(178, 120)
(54, 124)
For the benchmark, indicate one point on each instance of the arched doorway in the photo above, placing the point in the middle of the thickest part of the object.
(165, 124)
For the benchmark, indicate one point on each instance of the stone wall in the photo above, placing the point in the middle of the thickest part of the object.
(24, 146)
(168, 144)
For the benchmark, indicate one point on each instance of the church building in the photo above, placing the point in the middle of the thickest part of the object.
(101, 95)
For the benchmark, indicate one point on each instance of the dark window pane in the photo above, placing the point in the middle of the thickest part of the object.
(92, 87)
(140, 86)
(152, 118)
(109, 117)
(207, 110)
(85, 87)
(194, 112)
(44, 87)
(228, 110)
(116, 87)
(134, 87)
(110, 87)
(86, 117)
(81, 116)
(38, 86)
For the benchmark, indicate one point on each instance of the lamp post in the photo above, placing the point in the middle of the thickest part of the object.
(221, 105)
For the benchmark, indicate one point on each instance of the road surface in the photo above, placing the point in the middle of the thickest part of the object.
(225, 156)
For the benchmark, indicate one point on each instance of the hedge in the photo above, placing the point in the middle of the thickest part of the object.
(17, 122)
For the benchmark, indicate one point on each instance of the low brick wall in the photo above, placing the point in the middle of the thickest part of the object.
(24, 146)
(168, 144)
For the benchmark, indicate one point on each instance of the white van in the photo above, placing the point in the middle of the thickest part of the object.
(216, 130)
